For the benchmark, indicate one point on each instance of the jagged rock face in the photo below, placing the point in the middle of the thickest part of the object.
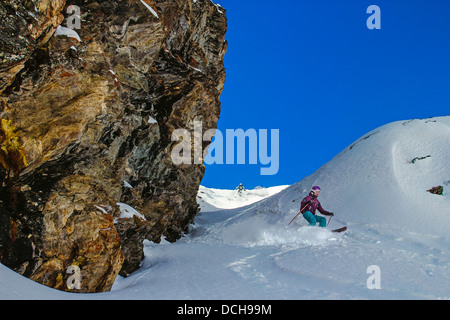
(80, 118)
(26, 25)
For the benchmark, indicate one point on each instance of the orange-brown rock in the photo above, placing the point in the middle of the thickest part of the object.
(75, 125)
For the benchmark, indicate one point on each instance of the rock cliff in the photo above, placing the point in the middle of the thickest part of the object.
(87, 117)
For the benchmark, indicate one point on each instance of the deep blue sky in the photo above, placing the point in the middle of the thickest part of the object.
(313, 70)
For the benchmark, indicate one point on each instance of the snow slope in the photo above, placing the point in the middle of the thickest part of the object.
(211, 199)
(376, 187)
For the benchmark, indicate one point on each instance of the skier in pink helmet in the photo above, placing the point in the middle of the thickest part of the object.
(309, 206)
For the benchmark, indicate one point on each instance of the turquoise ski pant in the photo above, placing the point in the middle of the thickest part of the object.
(312, 219)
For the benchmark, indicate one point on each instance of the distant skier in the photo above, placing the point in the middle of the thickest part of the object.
(240, 188)
(309, 206)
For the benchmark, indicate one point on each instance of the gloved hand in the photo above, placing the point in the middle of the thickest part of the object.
(331, 214)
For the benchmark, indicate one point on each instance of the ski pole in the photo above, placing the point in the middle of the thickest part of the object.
(299, 212)
(329, 221)
(295, 217)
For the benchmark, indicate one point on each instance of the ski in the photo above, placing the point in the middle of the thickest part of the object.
(339, 230)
